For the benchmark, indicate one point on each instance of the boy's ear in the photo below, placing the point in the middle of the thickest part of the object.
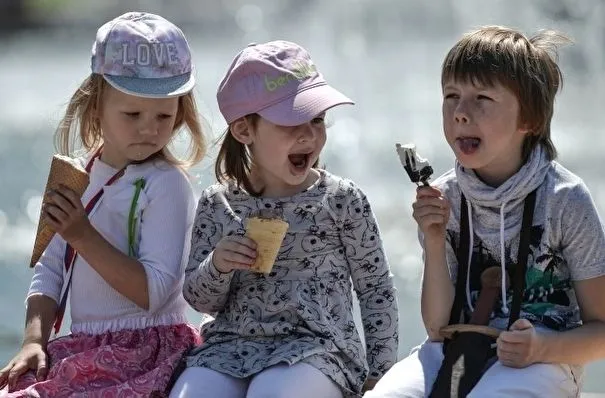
(241, 129)
(525, 128)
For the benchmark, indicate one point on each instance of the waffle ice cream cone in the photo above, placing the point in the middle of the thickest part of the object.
(63, 170)
(268, 233)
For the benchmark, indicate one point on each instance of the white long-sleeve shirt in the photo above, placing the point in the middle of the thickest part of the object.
(165, 211)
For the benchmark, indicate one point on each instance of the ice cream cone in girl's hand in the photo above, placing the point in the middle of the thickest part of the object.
(63, 170)
(268, 233)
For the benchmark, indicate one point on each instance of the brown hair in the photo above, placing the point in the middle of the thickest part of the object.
(234, 160)
(80, 115)
(526, 66)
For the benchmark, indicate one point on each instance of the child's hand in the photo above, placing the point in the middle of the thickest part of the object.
(519, 347)
(431, 211)
(65, 214)
(234, 252)
(31, 356)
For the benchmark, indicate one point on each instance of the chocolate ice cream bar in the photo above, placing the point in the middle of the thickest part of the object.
(418, 169)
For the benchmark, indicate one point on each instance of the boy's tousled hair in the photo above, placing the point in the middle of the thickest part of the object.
(81, 123)
(234, 160)
(526, 66)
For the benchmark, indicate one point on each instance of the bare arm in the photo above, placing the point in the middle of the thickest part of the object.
(41, 312)
(587, 342)
(431, 212)
(39, 319)
(583, 244)
(437, 294)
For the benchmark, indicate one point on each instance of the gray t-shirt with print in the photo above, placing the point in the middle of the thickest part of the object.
(567, 242)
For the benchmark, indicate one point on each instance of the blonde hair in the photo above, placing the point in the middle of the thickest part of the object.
(526, 66)
(81, 112)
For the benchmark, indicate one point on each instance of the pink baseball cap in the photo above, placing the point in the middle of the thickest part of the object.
(279, 81)
(145, 55)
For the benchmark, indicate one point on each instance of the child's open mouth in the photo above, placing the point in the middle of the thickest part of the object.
(300, 161)
(468, 145)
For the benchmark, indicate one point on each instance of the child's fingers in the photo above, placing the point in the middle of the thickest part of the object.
(58, 200)
(235, 252)
(55, 214)
(225, 264)
(238, 243)
(507, 358)
(427, 191)
(244, 241)
(72, 197)
(17, 370)
(237, 247)
(237, 258)
(42, 369)
(426, 211)
(431, 219)
(431, 202)
(513, 337)
(506, 348)
(4, 374)
(521, 324)
(54, 224)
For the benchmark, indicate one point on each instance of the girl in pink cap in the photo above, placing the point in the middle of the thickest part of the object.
(120, 250)
(290, 332)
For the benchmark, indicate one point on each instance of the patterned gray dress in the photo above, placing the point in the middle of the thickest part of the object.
(302, 310)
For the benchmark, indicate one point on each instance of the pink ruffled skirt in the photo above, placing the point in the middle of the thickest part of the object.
(128, 363)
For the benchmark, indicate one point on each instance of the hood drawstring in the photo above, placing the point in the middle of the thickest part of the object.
(503, 261)
(502, 257)
(470, 255)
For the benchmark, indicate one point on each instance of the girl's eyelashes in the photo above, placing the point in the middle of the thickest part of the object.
(161, 116)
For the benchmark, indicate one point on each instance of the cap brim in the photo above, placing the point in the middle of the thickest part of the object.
(165, 87)
(304, 106)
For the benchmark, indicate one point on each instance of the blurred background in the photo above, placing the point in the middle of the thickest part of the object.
(385, 54)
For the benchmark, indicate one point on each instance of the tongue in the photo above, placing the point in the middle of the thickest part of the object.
(298, 160)
(469, 144)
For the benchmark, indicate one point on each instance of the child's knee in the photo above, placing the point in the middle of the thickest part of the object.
(412, 376)
(296, 381)
(538, 380)
(213, 383)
